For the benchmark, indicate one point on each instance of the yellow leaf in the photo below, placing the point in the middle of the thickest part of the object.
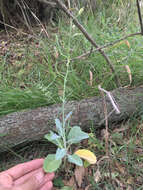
(81, 11)
(87, 155)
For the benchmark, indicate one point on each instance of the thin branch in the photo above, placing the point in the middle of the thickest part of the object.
(113, 102)
(88, 37)
(117, 41)
(106, 135)
(111, 98)
(103, 47)
(140, 16)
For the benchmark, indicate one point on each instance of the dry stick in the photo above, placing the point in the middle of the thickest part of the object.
(113, 102)
(106, 120)
(107, 45)
(103, 47)
(106, 133)
(140, 16)
(88, 37)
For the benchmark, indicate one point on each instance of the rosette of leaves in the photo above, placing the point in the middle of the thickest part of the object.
(63, 138)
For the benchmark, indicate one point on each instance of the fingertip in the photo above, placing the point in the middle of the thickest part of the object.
(6, 180)
(49, 176)
(47, 186)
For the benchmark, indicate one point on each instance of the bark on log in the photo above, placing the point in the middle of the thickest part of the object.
(31, 125)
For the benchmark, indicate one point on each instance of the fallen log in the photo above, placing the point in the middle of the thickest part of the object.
(26, 126)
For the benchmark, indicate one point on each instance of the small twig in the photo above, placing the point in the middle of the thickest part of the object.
(1, 22)
(103, 47)
(117, 41)
(91, 50)
(102, 121)
(111, 98)
(88, 37)
(17, 30)
(140, 16)
(106, 121)
(101, 159)
(106, 125)
(52, 4)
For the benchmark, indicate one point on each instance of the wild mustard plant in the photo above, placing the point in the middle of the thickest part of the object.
(64, 136)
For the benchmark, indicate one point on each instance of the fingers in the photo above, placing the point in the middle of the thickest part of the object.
(37, 181)
(33, 183)
(47, 177)
(47, 186)
(26, 177)
(3, 188)
(6, 180)
(22, 169)
(29, 176)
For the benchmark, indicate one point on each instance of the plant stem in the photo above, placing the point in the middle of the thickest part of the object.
(64, 88)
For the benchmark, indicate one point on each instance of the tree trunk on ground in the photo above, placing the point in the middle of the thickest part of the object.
(31, 125)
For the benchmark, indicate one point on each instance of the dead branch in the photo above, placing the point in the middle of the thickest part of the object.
(103, 47)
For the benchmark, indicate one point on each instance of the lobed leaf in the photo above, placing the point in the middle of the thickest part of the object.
(76, 135)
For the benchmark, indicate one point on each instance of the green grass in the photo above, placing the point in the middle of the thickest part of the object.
(125, 150)
(32, 75)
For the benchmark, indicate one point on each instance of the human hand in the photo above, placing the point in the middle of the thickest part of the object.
(26, 176)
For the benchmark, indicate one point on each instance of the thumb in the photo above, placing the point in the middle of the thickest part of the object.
(32, 183)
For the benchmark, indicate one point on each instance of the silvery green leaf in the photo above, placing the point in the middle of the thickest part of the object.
(54, 138)
(76, 135)
(68, 115)
(75, 159)
(51, 164)
(60, 153)
(59, 127)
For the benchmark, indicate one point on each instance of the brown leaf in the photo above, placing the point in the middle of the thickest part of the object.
(120, 168)
(56, 53)
(91, 78)
(79, 174)
(97, 176)
(129, 74)
(70, 183)
(130, 180)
